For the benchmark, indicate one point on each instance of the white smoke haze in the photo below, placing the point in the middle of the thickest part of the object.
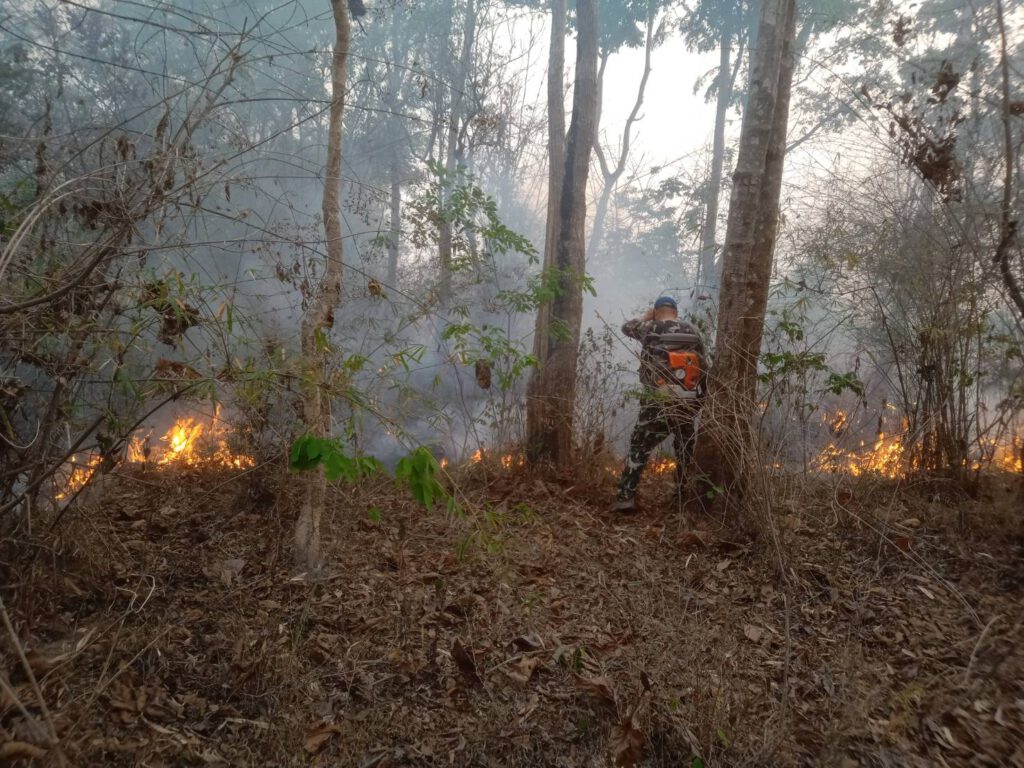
(238, 251)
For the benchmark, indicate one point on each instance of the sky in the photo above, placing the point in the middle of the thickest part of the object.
(676, 122)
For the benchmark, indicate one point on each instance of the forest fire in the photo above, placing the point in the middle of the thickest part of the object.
(188, 442)
(837, 422)
(888, 457)
(81, 472)
(884, 458)
(508, 461)
(661, 466)
(1007, 456)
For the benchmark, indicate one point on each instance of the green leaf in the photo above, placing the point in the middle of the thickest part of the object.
(374, 514)
(323, 344)
(838, 383)
(305, 453)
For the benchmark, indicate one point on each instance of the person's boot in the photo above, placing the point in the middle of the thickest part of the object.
(624, 504)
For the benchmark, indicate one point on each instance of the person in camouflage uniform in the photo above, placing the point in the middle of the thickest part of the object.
(661, 413)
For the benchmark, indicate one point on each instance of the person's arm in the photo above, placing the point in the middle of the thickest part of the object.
(638, 327)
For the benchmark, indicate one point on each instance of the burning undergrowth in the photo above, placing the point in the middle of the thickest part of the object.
(206, 442)
(190, 441)
(896, 451)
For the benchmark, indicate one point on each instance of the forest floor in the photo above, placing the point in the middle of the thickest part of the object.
(167, 627)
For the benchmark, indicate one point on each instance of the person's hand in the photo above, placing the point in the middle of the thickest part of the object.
(648, 315)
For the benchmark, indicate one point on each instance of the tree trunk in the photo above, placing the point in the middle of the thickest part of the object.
(556, 170)
(395, 223)
(319, 317)
(726, 448)
(708, 245)
(555, 392)
(451, 146)
(397, 141)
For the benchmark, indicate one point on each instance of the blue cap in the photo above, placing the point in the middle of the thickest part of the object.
(665, 301)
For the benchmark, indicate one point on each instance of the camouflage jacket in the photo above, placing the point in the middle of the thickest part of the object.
(641, 329)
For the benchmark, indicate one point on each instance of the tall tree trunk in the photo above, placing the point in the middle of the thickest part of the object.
(726, 447)
(395, 223)
(397, 141)
(444, 245)
(609, 175)
(319, 317)
(708, 245)
(555, 392)
(556, 170)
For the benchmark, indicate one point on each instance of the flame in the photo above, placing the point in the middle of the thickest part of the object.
(182, 441)
(508, 461)
(512, 460)
(661, 466)
(837, 422)
(1008, 457)
(80, 472)
(884, 458)
(888, 457)
(190, 442)
(444, 463)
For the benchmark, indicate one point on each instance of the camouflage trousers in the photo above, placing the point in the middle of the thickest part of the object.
(657, 421)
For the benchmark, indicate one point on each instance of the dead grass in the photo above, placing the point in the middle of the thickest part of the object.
(165, 628)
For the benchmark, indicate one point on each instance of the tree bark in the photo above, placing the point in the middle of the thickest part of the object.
(555, 392)
(727, 446)
(319, 317)
(556, 170)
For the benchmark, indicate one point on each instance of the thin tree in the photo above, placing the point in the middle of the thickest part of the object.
(452, 150)
(748, 253)
(550, 405)
(556, 170)
(725, 80)
(611, 175)
(319, 317)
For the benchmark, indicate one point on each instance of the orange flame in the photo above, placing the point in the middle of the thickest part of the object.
(191, 443)
(80, 472)
(661, 466)
(888, 457)
(512, 460)
(837, 422)
(508, 461)
(1008, 457)
(884, 458)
